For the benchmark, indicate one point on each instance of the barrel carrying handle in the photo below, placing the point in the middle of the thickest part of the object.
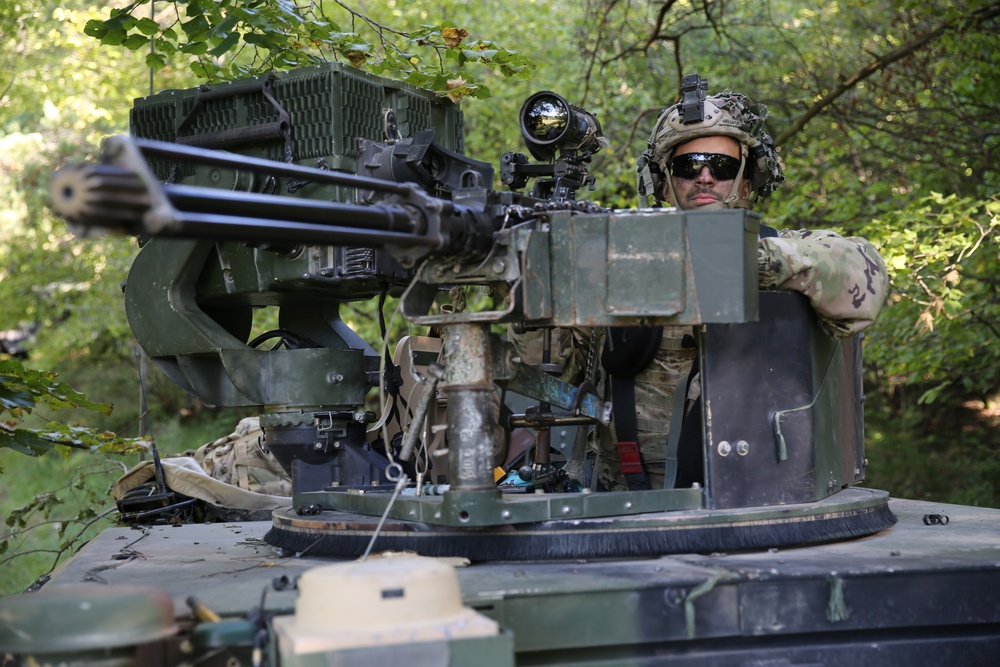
(279, 129)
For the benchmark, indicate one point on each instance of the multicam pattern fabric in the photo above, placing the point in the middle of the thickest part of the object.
(239, 459)
(568, 349)
(654, 397)
(844, 278)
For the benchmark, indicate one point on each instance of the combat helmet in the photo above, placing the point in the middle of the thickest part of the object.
(725, 113)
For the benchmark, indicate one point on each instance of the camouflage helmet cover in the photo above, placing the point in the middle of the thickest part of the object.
(725, 113)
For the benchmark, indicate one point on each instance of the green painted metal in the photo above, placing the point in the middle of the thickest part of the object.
(496, 651)
(641, 267)
(645, 265)
(913, 583)
(188, 337)
(226, 633)
(191, 304)
(490, 507)
(722, 247)
(798, 436)
(83, 622)
(328, 108)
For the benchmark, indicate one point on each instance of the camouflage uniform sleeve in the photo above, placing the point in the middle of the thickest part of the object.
(844, 278)
(569, 349)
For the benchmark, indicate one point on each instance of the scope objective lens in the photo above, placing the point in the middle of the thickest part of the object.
(546, 119)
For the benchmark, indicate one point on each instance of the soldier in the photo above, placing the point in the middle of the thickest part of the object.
(711, 153)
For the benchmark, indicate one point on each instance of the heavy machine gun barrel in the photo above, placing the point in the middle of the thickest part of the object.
(227, 203)
(122, 195)
(221, 159)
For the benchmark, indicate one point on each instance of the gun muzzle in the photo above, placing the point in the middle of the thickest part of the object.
(99, 198)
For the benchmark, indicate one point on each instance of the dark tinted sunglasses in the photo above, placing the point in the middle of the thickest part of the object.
(689, 165)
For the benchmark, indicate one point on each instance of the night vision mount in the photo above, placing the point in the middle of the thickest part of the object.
(693, 89)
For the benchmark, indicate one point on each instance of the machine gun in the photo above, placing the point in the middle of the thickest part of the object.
(413, 217)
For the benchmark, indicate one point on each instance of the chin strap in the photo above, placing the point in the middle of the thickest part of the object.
(734, 200)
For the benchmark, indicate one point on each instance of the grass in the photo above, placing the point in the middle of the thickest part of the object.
(942, 453)
(61, 496)
(57, 487)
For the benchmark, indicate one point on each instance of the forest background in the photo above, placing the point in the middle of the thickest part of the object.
(886, 114)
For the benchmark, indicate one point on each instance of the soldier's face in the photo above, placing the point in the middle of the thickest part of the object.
(705, 187)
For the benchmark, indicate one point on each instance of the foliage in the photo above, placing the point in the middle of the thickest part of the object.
(53, 286)
(22, 389)
(943, 325)
(56, 521)
(57, 518)
(231, 39)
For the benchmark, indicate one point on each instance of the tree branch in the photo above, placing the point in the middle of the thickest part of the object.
(986, 323)
(898, 53)
(658, 25)
(592, 59)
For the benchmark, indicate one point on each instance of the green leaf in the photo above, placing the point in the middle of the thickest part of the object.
(227, 44)
(197, 26)
(226, 25)
(121, 21)
(12, 399)
(195, 48)
(156, 60)
(25, 441)
(114, 37)
(134, 42)
(147, 26)
(484, 54)
(267, 41)
(95, 28)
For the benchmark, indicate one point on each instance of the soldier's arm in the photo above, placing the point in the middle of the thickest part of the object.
(569, 349)
(843, 277)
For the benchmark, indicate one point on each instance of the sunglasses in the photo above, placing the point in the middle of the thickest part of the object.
(689, 165)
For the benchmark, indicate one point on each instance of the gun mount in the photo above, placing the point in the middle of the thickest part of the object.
(334, 192)
(433, 213)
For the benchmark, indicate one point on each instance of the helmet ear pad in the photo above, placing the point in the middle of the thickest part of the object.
(650, 179)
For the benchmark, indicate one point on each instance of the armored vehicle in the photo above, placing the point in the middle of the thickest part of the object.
(418, 531)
